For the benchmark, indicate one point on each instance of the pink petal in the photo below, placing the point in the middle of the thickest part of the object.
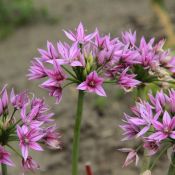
(158, 125)
(166, 118)
(82, 86)
(100, 91)
(69, 35)
(143, 131)
(25, 152)
(36, 146)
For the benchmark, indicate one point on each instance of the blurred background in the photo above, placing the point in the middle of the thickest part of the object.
(26, 25)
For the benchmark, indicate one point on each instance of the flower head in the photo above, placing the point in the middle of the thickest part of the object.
(32, 125)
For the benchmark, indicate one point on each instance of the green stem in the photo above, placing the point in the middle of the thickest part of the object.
(4, 169)
(162, 152)
(145, 162)
(68, 71)
(171, 170)
(77, 127)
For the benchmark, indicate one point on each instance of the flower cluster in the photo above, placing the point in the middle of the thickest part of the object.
(153, 122)
(30, 124)
(92, 60)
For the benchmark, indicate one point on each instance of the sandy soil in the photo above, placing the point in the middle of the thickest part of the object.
(100, 135)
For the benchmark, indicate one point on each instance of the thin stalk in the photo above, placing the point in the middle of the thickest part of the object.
(77, 127)
(171, 170)
(15, 151)
(68, 71)
(153, 163)
(4, 169)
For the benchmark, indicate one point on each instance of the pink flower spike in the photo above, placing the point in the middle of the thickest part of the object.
(5, 157)
(93, 84)
(28, 139)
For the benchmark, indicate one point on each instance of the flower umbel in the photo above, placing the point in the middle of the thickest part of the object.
(29, 129)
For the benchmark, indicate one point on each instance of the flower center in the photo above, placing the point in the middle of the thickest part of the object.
(91, 83)
(26, 140)
(167, 130)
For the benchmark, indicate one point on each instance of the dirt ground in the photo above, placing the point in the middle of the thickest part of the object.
(100, 135)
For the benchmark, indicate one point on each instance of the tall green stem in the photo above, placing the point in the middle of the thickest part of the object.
(4, 169)
(77, 127)
(171, 170)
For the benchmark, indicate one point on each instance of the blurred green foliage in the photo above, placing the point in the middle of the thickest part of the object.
(15, 13)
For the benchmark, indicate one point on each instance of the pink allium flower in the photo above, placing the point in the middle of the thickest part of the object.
(93, 83)
(29, 128)
(112, 58)
(50, 54)
(145, 117)
(127, 81)
(153, 124)
(131, 157)
(129, 38)
(18, 101)
(28, 139)
(56, 76)
(5, 157)
(54, 91)
(130, 129)
(70, 55)
(165, 129)
(52, 137)
(152, 146)
(37, 70)
(80, 36)
(29, 164)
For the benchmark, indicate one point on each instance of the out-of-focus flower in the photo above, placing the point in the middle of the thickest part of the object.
(29, 128)
(5, 157)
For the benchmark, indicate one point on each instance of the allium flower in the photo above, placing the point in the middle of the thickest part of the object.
(18, 101)
(115, 60)
(131, 157)
(93, 83)
(29, 164)
(152, 146)
(127, 81)
(50, 54)
(5, 157)
(80, 35)
(37, 70)
(29, 128)
(153, 124)
(165, 129)
(52, 137)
